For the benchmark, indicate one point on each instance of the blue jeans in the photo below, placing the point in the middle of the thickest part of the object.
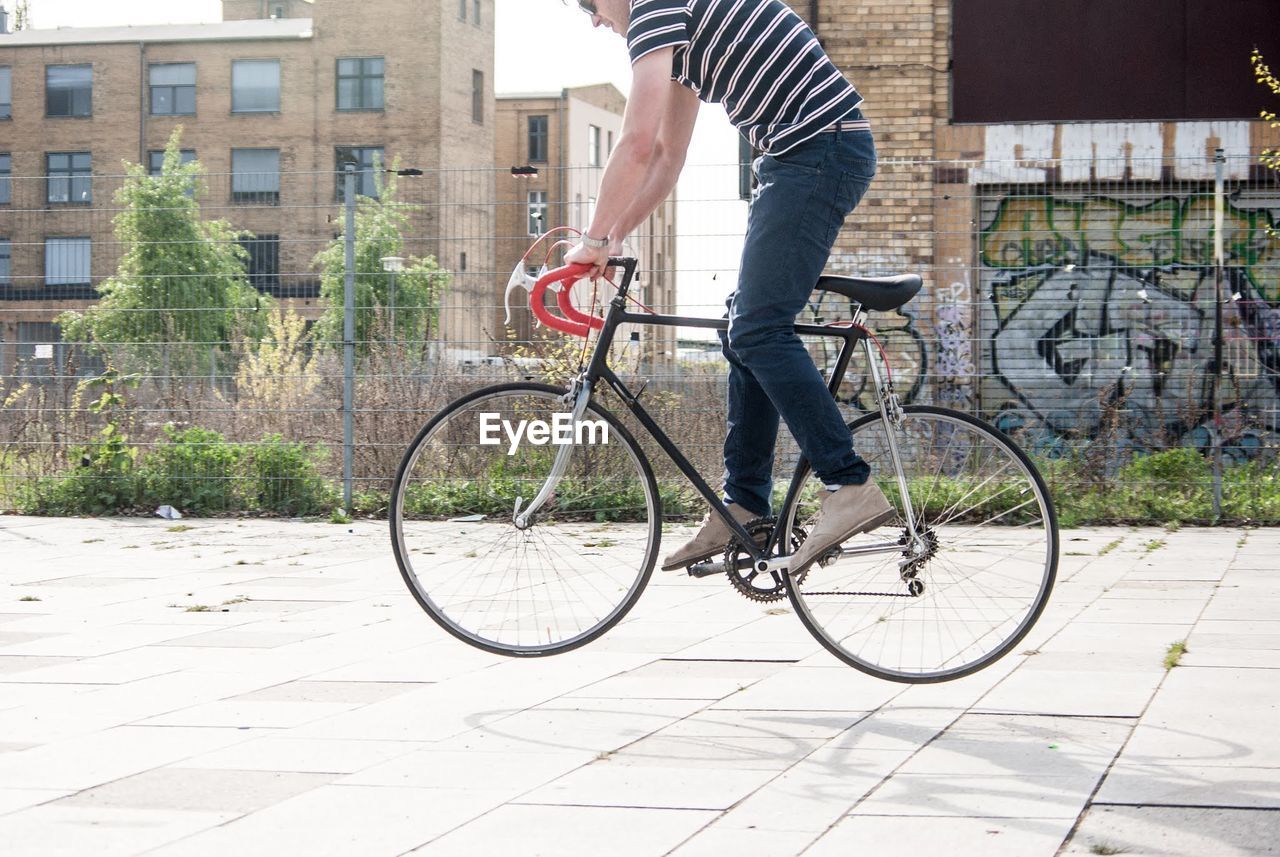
(801, 200)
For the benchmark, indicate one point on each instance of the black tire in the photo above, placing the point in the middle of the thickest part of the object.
(534, 591)
(983, 505)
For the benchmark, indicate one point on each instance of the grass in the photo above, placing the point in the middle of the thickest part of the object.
(178, 528)
(1109, 547)
(1173, 657)
(1103, 848)
(1153, 546)
(339, 516)
(29, 598)
(199, 608)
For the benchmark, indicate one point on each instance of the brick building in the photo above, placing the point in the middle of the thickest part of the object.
(1047, 166)
(273, 100)
(567, 137)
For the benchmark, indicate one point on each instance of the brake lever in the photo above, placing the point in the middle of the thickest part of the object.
(519, 280)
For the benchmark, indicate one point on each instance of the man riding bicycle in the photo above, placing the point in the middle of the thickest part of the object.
(764, 64)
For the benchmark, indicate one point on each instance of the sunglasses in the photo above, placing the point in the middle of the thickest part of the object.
(587, 6)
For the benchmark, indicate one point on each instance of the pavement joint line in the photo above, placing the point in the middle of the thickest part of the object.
(1088, 803)
(1221, 806)
(730, 660)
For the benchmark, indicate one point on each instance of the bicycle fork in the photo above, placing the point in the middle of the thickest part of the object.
(580, 393)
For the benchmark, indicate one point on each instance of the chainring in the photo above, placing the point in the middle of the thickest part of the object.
(751, 584)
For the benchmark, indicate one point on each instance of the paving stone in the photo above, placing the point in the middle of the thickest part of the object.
(681, 679)
(283, 752)
(338, 820)
(198, 790)
(14, 799)
(980, 796)
(101, 757)
(557, 831)
(74, 831)
(1171, 784)
(1176, 832)
(899, 836)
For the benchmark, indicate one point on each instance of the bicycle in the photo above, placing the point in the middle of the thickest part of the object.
(554, 535)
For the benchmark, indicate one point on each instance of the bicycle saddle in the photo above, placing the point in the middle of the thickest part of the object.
(880, 294)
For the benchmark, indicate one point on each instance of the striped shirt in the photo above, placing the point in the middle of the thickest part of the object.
(756, 57)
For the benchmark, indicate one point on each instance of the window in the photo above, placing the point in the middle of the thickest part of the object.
(1190, 62)
(66, 261)
(6, 92)
(6, 183)
(68, 90)
(263, 265)
(537, 138)
(360, 82)
(6, 266)
(475, 5)
(69, 177)
(155, 160)
(277, 12)
(255, 86)
(462, 10)
(537, 212)
(173, 89)
(255, 176)
(367, 160)
(477, 96)
(609, 151)
(593, 146)
(40, 349)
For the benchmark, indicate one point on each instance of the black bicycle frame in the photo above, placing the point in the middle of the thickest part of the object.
(598, 368)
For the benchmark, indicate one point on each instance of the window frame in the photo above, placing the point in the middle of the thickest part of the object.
(360, 79)
(6, 261)
(477, 96)
(364, 170)
(173, 87)
(279, 86)
(72, 93)
(88, 252)
(536, 200)
(255, 196)
(154, 169)
(543, 137)
(594, 135)
(262, 247)
(6, 178)
(6, 105)
(73, 177)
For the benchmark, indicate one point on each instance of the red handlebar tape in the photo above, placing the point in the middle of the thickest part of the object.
(574, 322)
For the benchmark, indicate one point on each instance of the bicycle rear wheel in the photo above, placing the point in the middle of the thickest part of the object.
(990, 539)
(569, 575)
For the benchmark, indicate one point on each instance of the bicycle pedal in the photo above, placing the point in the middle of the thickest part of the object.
(705, 569)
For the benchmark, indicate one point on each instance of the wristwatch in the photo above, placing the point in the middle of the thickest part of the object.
(594, 243)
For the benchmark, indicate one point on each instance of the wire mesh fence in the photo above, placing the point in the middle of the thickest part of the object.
(149, 358)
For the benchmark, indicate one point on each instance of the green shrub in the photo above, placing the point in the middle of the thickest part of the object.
(195, 470)
(284, 478)
(1172, 485)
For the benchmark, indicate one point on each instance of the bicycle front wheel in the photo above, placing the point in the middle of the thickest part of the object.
(561, 579)
(975, 583)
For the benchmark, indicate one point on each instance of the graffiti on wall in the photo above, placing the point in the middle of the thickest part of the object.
(1090, 301)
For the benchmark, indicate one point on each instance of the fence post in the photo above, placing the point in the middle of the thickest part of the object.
(349, 335)
(1219, 258)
